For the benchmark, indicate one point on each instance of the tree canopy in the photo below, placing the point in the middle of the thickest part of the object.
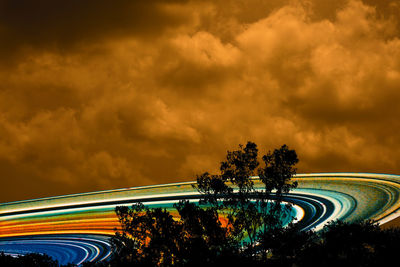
(238, 221)
(251, 211)
(253, 231)
(153, 236)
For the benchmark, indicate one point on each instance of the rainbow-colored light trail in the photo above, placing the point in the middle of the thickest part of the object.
(76, 228)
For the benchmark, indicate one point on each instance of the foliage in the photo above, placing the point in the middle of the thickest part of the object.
(358, 244)
(153, 237)
(148, 234)
(251, 211)
(361, 243)
(198, 237)
(28, 260)
(285, 245)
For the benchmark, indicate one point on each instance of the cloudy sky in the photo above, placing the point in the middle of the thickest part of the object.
(100, 94)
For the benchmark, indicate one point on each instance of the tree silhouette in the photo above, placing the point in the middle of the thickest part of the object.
(252, 212)
(358, 244)
(28, 260)
(153, 237)
(205, 240)
(149, 236)
(239, 221)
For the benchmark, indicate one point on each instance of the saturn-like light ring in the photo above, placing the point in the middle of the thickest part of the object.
(77, 228)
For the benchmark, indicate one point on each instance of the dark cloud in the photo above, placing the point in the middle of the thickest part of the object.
(102, 96)
(62, 25)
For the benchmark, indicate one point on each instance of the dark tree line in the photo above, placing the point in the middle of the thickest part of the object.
(29, 260)
(236, 223)
(231, 222)
(337, 244)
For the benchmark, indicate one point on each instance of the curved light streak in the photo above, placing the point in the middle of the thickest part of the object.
(76, 228)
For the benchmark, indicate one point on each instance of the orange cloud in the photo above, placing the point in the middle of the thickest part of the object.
(132, 94)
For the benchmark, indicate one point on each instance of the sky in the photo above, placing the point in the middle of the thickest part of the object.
(100, 94)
